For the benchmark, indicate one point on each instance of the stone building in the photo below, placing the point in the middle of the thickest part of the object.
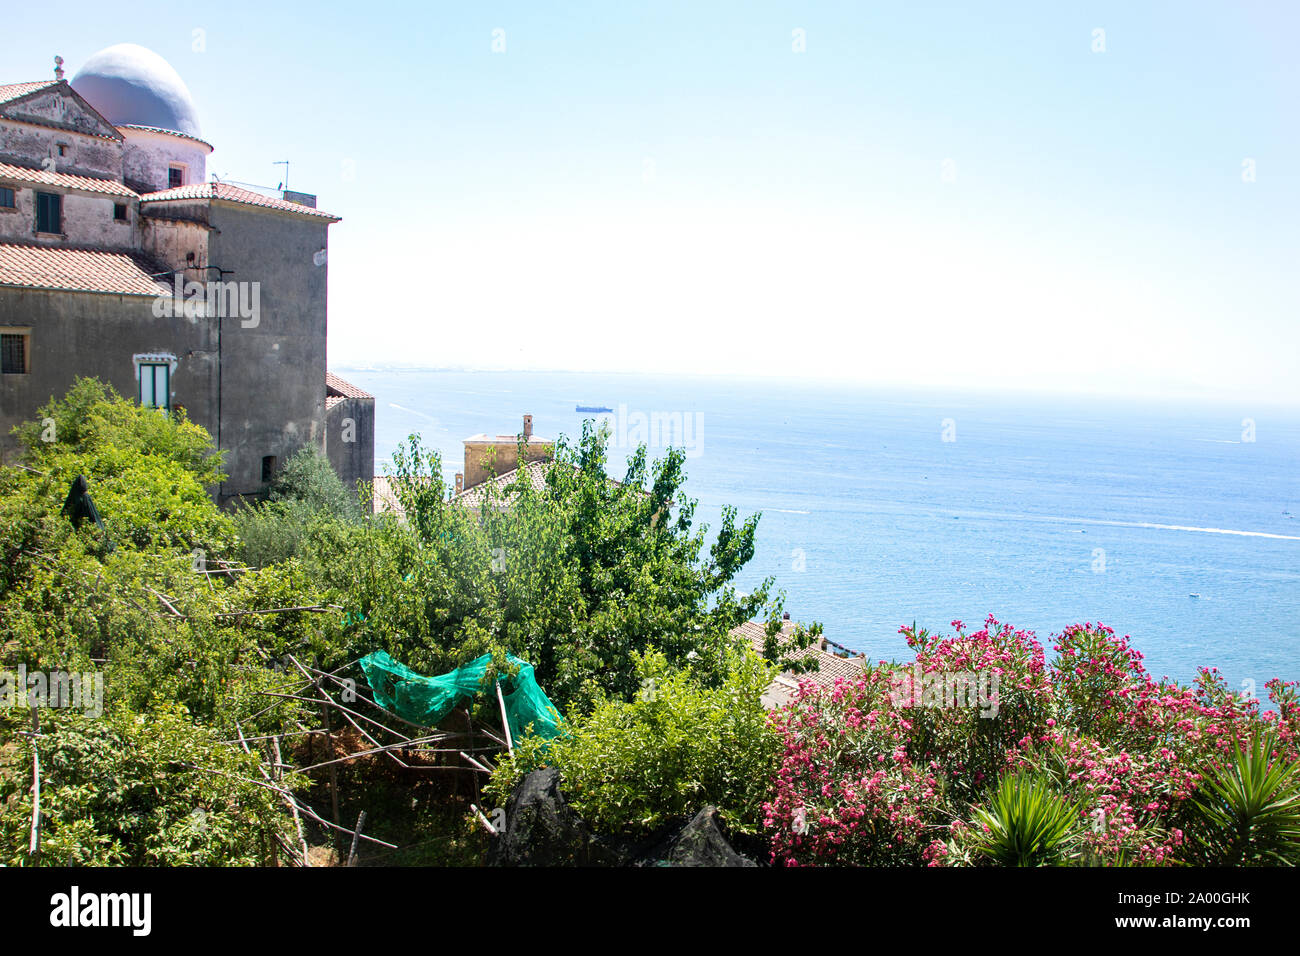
(491, 461)
(834, 662)
(120, 259)
(488, 456)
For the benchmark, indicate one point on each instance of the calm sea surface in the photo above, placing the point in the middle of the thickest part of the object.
(1166, 522)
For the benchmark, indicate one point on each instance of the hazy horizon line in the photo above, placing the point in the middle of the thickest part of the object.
(831, 381)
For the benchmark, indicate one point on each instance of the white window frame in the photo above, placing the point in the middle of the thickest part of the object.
(153, 360)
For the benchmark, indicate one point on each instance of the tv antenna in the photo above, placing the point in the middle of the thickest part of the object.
(285, 164)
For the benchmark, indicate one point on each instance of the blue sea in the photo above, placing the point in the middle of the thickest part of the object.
(1177, 523)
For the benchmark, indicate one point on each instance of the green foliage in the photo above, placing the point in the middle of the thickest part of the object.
(125, 790)
(1249, 811)
(1027, 823)
(606, 587)
(306, 492)
(629, 767)
(93, 421)
(147, 474)
(181, 663)
(308, 477)
(579, 576)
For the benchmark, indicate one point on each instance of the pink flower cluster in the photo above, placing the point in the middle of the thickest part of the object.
(862, 781)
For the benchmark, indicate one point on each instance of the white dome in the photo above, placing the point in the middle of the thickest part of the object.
(132, 86)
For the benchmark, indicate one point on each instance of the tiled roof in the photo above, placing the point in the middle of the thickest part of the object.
(534, 473)
(229, 193)
(385, 495)
(483, 438)
(77, 270)
(13, 91)
(45, 177)
(830, 667)
(169, 132)
(340, 388)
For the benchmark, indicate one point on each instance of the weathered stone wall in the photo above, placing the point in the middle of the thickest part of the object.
(172, 241)
(148, 155)
(87, 220)
(484, 460)
(350, 439)
(273, 367)
(90, 334)
(92, 156)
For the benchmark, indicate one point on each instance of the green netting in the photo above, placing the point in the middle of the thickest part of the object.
(426, 700)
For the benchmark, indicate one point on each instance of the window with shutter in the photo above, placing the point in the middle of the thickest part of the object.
(155, 385)
(49, 213)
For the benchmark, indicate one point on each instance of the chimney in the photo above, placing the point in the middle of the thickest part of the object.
(460, 482)
(528, 427)
(302, 199)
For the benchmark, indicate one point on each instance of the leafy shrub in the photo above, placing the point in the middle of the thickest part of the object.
(148, 473)
(1027, 823)
(630, 767)
(1249, 811)
(305, 493)
(127, 790)
(579, 576)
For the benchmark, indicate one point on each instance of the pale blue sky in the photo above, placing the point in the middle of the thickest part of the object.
(671, 187)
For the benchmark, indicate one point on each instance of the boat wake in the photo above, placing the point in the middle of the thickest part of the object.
(1055, 519)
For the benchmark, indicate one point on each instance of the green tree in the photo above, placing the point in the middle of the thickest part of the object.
(304, 493)
(579, 575)
(629, 767)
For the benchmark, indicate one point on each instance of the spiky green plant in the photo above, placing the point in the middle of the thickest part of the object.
(1247, 813)
(1029, 823)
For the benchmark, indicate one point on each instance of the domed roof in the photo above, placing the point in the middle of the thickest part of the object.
(133, 86)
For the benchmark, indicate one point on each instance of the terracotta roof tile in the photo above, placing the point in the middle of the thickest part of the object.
(336, 387)
(77, 270)
(483, 438)
(13, 91)
(534, 471)
(229, 193)
(830, 667)
(385, 496)
(45, 177)
(169, 132)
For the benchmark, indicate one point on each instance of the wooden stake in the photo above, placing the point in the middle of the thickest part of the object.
(293, 805)
(475, 763)
(34, 848)
(505, 720)
(334, 770)
(356, 835)
(484, 820)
